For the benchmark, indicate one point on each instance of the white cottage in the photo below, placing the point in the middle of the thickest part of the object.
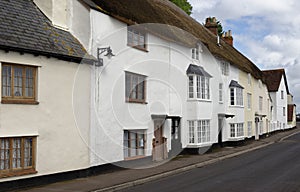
(278, 88)
(44, 119)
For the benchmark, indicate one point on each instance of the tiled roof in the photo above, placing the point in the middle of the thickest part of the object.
(165, 12)
(273, 79)
(25, 29)
(290, 112)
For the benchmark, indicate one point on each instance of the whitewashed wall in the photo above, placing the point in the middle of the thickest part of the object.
(60, 120)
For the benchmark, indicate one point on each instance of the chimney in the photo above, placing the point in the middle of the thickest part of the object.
(227, 37)
(211, 24)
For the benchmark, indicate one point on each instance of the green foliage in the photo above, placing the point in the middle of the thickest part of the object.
(220, 28)
(184, 5)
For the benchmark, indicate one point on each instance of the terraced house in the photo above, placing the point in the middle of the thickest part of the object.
(89, 83)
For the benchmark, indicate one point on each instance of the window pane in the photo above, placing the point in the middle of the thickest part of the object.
(127, 85)
(16, 161)
(18, 81)
(191, 87)
(198, 86)
(28, 152)
(29, 82)
(6, 81)
(126, 144)
(202, 87)
(133, 143)
(232, 96)
(4, 154)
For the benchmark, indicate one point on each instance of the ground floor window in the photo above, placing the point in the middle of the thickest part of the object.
(199, 131)
(17, 156)
(236, 130)
(134, 143)
(249, 128)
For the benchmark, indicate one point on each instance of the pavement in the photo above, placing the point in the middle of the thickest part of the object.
(121, 179)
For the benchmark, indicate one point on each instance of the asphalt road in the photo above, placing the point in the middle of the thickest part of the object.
(275, 168)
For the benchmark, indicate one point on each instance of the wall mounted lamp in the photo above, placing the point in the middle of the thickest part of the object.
(108, 54)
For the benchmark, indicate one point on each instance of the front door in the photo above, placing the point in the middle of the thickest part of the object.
(176, 146)
(220, 131)
(158, 143)
(256, 128)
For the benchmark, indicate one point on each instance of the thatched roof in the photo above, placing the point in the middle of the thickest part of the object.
(273, 79)
(165, 12)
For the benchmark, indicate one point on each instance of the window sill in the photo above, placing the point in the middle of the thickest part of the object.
(134, 158)
(18, 173)
(236, 138)
(138, 48)
(137, 102)
(26, 102)
(199, 100)
(236, 106)
(197, 145)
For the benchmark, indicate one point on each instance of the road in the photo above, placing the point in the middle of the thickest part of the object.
(274, 168)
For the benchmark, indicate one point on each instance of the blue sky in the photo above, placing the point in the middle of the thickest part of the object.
(267, 32)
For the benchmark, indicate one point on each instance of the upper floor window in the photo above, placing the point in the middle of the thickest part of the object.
(260, 103)
(249, 79)
(198, 83)
(283, 111)
(220, 92)
(17, 156)
(282, 95)
(224, 68)
(136, 38)
(18, 84)
(195, 53)
(236, 94)
(249, 98)
(259, 83)
(135, 86)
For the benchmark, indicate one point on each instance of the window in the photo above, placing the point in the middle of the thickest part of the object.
(260, 103)
(283, 111)
(17, 156)
(259, 83)
(236, 130)
(220, 92)
(195, 53)
(282, 97)
(134, 143)
(18, 84)
(199, 87)
(224, 68)
(135, 88)
(249, 79)
(236, 96)
(260, 124)
(249, 96)
(249, 128)
(191, 132)
(201, 134)
(136, 38)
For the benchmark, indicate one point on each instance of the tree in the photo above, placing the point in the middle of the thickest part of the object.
(184, 5)
(220, 28)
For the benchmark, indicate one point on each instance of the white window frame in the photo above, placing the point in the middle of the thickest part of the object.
(249, 125)
(220, 92)
(195, 53)
(249, 100)
(224, 68)
(198, 87)
(236, 130)
(237, 99)
(199, 131)
(260, 103)
(249, 78)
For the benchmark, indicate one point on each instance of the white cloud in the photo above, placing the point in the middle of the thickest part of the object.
(266, 31)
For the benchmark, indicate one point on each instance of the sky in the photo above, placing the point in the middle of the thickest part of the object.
(265, 31)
